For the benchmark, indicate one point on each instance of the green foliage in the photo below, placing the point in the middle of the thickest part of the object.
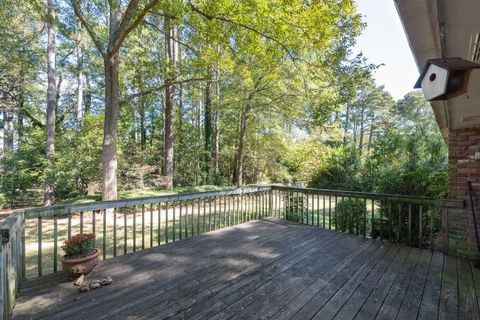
(313, 114)
(350, 216)
(341, 170)
(296, 208)
(24, 170)
(79, 243)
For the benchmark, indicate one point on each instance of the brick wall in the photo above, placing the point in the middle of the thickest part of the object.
(462, 145)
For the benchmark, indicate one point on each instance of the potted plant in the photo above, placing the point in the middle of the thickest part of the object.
(81, 256)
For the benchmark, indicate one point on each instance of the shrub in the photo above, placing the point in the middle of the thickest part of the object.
(350, 216)
(296, 207)
(79, 243)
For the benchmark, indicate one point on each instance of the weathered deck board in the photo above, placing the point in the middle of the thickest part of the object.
(265, 269)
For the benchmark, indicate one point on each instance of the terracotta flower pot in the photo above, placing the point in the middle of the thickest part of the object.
(84, 265)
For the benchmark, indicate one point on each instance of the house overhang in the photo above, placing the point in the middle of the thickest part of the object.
(444, 28)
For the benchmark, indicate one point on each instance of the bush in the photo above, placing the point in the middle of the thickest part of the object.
(296, 207)
(350, 216)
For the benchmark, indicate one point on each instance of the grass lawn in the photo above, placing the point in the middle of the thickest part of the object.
(141, 193)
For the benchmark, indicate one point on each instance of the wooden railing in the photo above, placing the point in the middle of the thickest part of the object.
(12, 261)
(32, 238)
(414, 221)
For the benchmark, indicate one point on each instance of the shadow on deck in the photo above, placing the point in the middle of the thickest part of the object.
(266, 269)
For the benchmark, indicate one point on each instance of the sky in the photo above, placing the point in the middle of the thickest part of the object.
(384, 41)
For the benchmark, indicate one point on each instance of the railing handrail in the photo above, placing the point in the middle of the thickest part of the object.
(427, 201)
(60, 210)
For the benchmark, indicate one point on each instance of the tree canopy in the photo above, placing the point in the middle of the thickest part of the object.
(165, 93)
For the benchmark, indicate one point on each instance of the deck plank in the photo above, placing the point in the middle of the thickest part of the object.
(395, 295)
(449, 294)
(431, 292)
(320, 298)
(358, 298)
(266, 269)
(413, 295)
(467, 299)
(217, 284)
(375, 264)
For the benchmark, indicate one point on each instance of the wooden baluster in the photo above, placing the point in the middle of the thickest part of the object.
(400, 223)
(330, 210)
(94, 222)
(410, 225)
(166, 222)
(69, 226)
(209, 214)
(432, 244)
(324, 211)
(335, 215)
(114, 232)
(159, 223)
(143, 227)
(390, 222)
(39, 237)
(192, 220)
(55, 243)
(180, 220)
(198, 216)
(420, 227)
(373, 219)
(174, 204)
(204, 217)
(151, 225)
(365, 218)
(81, 222)
(125, 230)
(134, 228)
(104, 234)
(186, 218)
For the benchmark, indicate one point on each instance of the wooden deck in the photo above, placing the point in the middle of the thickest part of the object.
(266, 270)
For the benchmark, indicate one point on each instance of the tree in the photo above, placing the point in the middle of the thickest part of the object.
(120, 25)
(51, 100)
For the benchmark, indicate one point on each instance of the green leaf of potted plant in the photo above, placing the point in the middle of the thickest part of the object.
(81, 256)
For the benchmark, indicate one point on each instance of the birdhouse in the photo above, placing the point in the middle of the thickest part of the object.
(443, 79)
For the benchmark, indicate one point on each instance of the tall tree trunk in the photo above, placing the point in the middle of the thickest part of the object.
(48, 195)
(2, 135)
(7, 131)
(88, 94)
(143, 131)
(20, 113)
(208, 130)
(110, 130)
(78, 124)
(360, 144)
(345, 128)
(79, 49)
(171, 53)
(20, 126)
(240, 156)
(370, 135)
(216, 151)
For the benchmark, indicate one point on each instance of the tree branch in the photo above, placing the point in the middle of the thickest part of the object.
(176, 40)
(224, 19)
(93, 35)
(158, 88)
(125, 28)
